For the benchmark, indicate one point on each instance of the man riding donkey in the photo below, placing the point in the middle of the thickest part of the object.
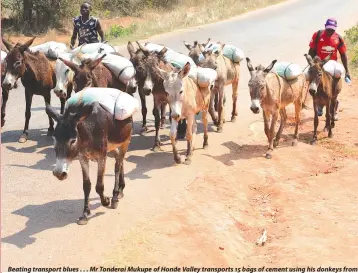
(86, 27)
(326, 42)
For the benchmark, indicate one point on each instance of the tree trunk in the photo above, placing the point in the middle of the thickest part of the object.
(27, 15)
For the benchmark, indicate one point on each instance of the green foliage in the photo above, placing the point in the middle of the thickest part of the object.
(117, 31)
(351, 37)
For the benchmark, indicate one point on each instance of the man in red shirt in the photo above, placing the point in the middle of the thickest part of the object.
(325, 42)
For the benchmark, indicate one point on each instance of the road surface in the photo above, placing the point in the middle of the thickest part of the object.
(39, 213)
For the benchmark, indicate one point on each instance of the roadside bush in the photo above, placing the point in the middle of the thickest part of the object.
(351, 37)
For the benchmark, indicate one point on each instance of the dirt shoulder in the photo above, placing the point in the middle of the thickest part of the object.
(305, 198)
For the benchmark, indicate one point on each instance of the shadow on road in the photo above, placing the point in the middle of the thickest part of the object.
(56, 214)
(239, 152)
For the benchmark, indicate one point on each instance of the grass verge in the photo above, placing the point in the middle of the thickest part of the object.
(351, 38)
(186, 15)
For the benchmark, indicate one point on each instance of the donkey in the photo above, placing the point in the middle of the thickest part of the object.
(324, 90)
(273, 94)
(89, 132)
(186, 99)
(228, 73)
(37, 76)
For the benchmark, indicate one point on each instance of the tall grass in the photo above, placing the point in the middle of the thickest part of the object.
(351, 37)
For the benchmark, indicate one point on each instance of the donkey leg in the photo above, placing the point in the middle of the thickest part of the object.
(119, 183)
(173, 133)
(144, 110)
(182, 127)
(266, 117)
(212, 110)
(25, 133)
(63, 102)
(50, 130)
(272, 134)
(334, 106)
(235, 88)
(156, 113)
(298, 107)
(190, 130)
(221, 110)
(205, 122)
(315, 123)
(216, 100)
(163, 109)
(5, 97)
(283, 116)
(86, 189)
(329, 118)
(100, 186)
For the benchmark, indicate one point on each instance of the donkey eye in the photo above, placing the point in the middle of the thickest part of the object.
(181, 92)
(16, 64)
(72, 141)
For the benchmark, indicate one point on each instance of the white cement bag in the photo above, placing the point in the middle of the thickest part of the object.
(286, 70)
(3, 56)
(178, 60)
(118, 103)
(203, 77)
(93, 48)
(121, 67)
(334, 68)
(229, 51)
(50, 49)
(155, 47)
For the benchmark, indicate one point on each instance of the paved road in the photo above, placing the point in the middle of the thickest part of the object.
(39, 212)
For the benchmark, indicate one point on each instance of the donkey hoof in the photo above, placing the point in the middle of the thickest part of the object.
(156, 148)
(187, 161)
(294, 142)
(268, 156)
(82, 221)
(23, 138)
(106, 201)
(50, 132)
(177, 159)
(206, 146)
(220, 129)
(275, 143)
(233, 119)
(330, 134)
(114, 203)
(313, 142)
(325, 129)
(143, 130)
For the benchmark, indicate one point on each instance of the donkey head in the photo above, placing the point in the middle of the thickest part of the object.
(83, 73)
(315, 72)
(66, 136)
(211, 57)
(15, 63)
(257, 84)
(173, 85)
(144, 63)
(195, 52)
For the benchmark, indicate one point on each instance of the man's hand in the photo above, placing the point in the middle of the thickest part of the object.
(348, 76)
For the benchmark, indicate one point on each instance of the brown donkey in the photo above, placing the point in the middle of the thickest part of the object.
(186, 99)
(92, 73)
(228, 73)
(325, 90)
(37, 76)
(273, 94)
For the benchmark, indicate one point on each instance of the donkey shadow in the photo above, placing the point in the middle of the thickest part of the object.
(55, 214)
(238, 152)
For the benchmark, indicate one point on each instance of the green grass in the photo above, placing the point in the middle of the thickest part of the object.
(188, 14)
(351, 38)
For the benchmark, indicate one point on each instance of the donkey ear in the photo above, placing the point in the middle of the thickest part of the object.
(52, 113)
(145, 50)
(249, 65)
(26, 45)
(130, 49)
(206, 43)
(187, 45)
(309, 59)
(7, 44)
(268, 69)
(162, 52)
(71, 65)
(96, 62)
(325, 60)
(185, 71)
(162, 73)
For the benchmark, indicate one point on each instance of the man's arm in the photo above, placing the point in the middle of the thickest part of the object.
(345, 64)
(100, 31)
(74, 37)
